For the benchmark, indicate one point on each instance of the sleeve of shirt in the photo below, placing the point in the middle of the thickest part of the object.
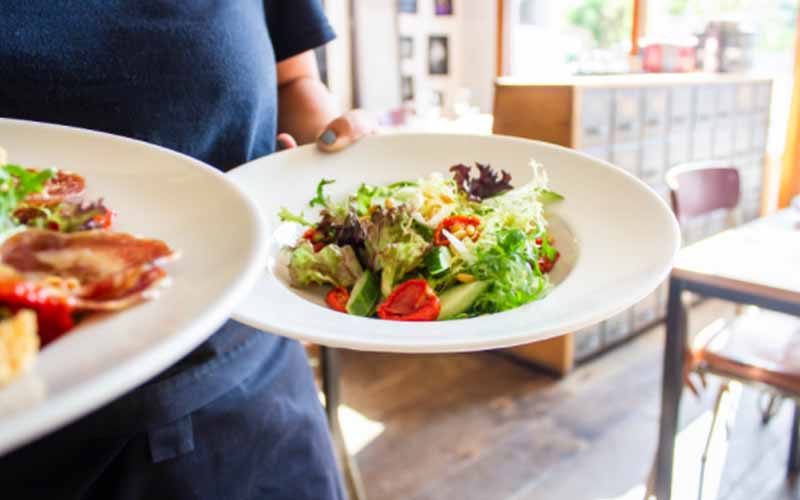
(296, 26)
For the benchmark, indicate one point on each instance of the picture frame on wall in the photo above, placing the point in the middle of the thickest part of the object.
(407, 88)
(406, 47)
(443, 7)
(438, 55)
(407, 6)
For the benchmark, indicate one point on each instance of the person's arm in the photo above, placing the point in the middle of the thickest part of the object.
(307, 112)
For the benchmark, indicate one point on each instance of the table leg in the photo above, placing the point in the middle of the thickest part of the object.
(671, 388)
(329, 367)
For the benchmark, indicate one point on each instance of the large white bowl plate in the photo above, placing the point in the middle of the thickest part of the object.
(617, 238)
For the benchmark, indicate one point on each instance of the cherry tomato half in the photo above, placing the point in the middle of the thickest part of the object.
(337, 299)
(413, 300)
(546, 265)
(315, 237)
(449, 223)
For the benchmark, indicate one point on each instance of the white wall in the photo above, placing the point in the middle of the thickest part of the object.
(479, 49)
(377, 72)
(472, 33)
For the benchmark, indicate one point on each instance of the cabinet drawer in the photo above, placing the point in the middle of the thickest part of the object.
(595, 118)
(655, 112)
(617, 328)
(743, 134)
(745, 97)
(654, 161)
(704, 103)
(723, 139)
(599, 152)
(726, 101)
(760, 130)
(680, 107)
(588, 341)
(763, 95)
(646, 311)
(679, 142)
(627, 115)
(701, 141)
(627, 158)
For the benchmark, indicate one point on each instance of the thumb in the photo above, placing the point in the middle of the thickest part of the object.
(345, 130)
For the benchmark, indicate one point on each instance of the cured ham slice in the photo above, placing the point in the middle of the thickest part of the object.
(98, 269)
(62, 186)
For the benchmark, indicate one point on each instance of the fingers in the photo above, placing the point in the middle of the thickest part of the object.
(346, 130)
(284, 141)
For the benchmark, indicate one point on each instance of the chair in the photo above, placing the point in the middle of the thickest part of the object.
(758, 348)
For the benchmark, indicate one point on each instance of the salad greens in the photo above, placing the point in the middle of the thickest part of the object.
(16, 183)
(439, 248)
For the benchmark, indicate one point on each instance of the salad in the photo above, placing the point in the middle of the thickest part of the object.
(60, 261)
(437, 248)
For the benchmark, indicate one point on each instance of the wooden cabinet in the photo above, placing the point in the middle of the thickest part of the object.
(644, 124)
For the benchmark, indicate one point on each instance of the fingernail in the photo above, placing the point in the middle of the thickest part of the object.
(328, 138)
(280, 145)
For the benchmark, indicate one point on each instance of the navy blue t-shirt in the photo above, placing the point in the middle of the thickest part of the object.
(195, 76)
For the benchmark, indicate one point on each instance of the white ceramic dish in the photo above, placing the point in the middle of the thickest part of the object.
(616, 236)
(156, 193)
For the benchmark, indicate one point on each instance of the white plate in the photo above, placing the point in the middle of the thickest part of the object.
(616, 236)
(156, 193)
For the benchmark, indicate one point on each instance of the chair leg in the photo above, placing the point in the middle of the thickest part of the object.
(329, 368)
(794, 443)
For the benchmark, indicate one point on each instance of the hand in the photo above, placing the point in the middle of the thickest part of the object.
(338, 134)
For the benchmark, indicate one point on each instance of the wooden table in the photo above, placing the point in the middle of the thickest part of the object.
(757, 263)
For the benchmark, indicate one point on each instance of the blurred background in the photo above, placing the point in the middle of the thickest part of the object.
(647, 85)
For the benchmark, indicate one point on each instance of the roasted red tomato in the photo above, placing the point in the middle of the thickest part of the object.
(413, 300)
(454, 224)
(315, 237)
(58, 188)
(337, 299)
(53, 311)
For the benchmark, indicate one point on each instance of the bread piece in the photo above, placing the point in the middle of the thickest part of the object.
(19, 344)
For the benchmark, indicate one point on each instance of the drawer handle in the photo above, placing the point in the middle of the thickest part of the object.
(625, 127)
(592, 131)
(678, 120)
(653, 122)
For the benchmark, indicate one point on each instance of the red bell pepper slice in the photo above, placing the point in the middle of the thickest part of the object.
(413, 300)
(53, 311)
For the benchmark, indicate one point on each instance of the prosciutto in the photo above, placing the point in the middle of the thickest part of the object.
(99, 270)
(62, 186)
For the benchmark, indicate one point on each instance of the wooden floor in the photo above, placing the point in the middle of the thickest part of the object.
(482, 427)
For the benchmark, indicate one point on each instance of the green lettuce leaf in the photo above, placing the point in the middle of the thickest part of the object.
(333, 265)
(393, 246)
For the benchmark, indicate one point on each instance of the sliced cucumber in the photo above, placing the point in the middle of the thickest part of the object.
(438, 260)
(460, 298)
(364, 296)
